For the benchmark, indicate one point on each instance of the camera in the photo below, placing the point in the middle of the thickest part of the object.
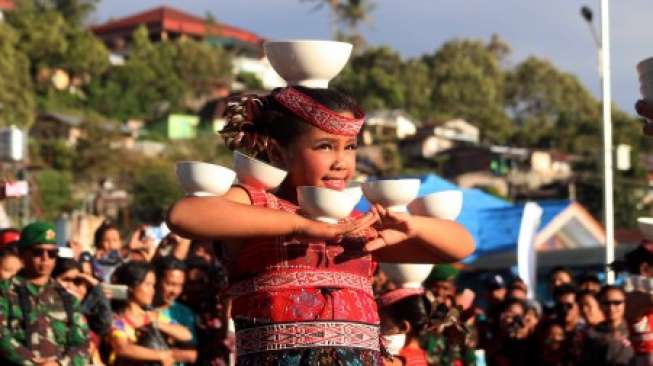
(515, 325)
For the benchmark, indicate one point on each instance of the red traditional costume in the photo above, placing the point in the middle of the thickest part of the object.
(300, 302)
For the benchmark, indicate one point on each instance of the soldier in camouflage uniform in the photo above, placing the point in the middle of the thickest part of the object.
(40, 323)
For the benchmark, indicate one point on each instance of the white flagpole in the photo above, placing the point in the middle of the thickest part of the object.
(608, 198)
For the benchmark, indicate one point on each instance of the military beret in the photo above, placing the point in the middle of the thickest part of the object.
(36, 233)
(442, 272)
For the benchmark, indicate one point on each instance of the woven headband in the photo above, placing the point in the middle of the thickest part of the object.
(397, 295)
(318, 115)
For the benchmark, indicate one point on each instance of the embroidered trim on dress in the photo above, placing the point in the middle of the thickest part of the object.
(284, 336)
(277, 281)
(318, 115)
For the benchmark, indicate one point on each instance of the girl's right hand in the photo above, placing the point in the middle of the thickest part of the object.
(312, 229)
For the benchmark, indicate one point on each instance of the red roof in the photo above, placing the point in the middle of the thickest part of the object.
(174, 20)
(7, 5)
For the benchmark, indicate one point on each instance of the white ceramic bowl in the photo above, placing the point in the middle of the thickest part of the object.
(256, 173)
(407, 274)
(444, 205)
(310, 63)
(355, 191)
(394, 194)
(198, 178)
(646, 227)
(325, 204)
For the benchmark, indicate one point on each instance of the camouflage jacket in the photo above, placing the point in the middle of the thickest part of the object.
(52, 333)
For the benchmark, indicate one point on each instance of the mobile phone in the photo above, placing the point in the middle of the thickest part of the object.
(118, 292)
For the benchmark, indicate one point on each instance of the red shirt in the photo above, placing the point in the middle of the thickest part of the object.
(413, 356)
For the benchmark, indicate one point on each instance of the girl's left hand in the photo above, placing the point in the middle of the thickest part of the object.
(392, 228)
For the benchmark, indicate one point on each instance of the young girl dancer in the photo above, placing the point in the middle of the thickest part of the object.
(301, 288)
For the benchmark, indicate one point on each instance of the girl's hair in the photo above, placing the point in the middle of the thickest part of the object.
(415, 310)
(634, 259)
(170, 263)
(99, 233)
(253, 120)
(64, 265)
(132, 273)
(607, 288)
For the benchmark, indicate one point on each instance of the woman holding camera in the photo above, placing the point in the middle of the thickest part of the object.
(137, 335)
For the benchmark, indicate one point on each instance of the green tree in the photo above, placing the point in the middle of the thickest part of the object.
(76, 12)
(468, 81)
(201, 66)
(52, 36)
(154, 189)
(551, 108)
(54, 191)
(86, 55)
(98, 153)
(353, 12)
(157, 78)
(374, 79)
(16, 93)
(250, 81)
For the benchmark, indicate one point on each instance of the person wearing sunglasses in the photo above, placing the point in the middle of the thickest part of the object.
(567, 314)
(40, 322)
(608, 342)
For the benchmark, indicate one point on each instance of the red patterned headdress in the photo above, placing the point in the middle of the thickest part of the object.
(399, 294)
(318, 115)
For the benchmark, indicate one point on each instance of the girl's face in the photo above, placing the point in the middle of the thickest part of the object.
(143, 293)
(111, 240)
(319, 158)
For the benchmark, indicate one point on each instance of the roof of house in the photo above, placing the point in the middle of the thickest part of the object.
(174, 20)
(7, 5)
(387, 115)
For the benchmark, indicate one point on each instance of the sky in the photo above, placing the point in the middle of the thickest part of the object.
(550, 29)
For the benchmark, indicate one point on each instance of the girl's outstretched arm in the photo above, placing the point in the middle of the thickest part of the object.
(232, 216)
(417, 239)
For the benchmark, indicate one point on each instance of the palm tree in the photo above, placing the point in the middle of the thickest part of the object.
(354, 12)
(333, 5)
(348, 12)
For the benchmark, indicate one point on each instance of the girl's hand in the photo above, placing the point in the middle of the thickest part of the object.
(313, 229)
(92, 281)
(645, 109)
(392, 228)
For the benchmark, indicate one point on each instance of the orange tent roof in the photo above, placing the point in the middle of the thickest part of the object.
(174, 20)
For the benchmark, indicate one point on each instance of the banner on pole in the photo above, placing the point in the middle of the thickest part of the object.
(526, 254)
